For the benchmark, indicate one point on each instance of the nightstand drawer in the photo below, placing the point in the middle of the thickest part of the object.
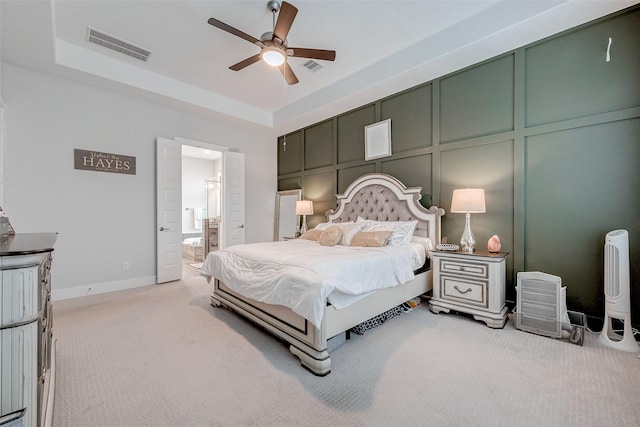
(453, 288)
(464, 268)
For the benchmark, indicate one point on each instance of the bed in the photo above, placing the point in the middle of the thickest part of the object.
(312, 335)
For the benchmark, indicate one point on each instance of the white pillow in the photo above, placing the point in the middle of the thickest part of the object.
(325, 225)
(424, 241)
(402, 230)
(349, 229)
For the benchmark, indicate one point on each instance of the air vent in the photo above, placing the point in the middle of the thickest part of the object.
(312, 65)
(110, 42)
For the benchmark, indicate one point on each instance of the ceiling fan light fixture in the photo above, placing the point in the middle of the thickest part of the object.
(273, 56)
(275, 50)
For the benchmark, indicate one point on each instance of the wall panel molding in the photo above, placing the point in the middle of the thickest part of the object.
(556, 100)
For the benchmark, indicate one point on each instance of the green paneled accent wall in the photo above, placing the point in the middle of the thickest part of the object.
(289, 153)
(580, 184)
(566, 74)
(290, 183)
(347, 175)
(551, 131)
(318, 145)
(351, 133)
(412, 171)
(477, 101)
(410, 114)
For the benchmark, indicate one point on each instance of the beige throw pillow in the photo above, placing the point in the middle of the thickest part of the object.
(371, 238)
(331, 236)
(312, 235)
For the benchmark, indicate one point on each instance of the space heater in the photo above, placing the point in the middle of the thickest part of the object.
(617, 292)
(541, 305)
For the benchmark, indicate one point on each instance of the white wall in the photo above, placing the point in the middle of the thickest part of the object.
(2, 127)
(104, 219)
(194, 192)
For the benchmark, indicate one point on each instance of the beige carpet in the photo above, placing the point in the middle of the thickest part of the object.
(162, 356)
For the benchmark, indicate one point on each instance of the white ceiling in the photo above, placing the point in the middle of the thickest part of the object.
(382, 47)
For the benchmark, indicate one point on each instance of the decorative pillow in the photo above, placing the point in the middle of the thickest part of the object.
(349, 229)
(424, 241)
(402, 230)
(325, 225)
(371, 238)
(331, 236)
(311, 235)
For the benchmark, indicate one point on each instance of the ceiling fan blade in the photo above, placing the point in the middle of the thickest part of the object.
(285, 20)
(245, 63)
(288, 73)
(327, 55)
(234, 31)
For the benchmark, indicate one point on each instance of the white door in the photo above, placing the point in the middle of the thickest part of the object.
(232, 229)
(168, 210)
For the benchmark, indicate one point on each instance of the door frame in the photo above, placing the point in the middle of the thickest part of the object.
(194, 143)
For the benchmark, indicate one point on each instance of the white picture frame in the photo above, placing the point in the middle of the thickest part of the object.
(377, 140)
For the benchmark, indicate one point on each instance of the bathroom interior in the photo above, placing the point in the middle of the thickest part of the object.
(201, 170)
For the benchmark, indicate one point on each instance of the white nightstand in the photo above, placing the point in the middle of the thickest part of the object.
(470, 283)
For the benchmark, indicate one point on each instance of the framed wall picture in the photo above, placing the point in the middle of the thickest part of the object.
(377, 140)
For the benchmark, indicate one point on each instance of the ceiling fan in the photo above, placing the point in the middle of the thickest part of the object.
(273, 44)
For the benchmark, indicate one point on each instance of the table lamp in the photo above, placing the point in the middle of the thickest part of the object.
(304, 208)
(468, 201)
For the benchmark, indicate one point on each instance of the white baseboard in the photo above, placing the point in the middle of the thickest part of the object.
(101, 288)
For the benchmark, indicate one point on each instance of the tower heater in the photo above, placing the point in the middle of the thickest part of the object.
(617, 292)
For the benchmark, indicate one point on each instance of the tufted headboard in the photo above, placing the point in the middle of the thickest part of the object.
(381, 197)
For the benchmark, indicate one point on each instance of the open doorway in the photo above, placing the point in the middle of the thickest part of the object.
(170, 211)
(201, 213)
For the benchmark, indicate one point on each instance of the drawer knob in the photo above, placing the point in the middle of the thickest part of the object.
(462, 292)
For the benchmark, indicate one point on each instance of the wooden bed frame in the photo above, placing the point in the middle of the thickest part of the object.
(373, 196)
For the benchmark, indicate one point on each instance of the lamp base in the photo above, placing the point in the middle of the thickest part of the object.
(304, 224)
(467, 241)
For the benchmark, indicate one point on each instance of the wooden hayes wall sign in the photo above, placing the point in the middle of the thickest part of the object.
(104, 162)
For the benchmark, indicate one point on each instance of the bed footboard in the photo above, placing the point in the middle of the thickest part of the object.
(307, 342)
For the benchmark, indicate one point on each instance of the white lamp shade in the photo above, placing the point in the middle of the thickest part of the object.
(468, 200)
(304, 207)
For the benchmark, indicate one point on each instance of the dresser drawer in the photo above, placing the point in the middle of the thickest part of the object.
(20, 296)
(468, 291)
(19, 377)
(464, 268)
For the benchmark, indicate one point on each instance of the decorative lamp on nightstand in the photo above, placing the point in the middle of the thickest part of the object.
(304, 208)
(468, 201)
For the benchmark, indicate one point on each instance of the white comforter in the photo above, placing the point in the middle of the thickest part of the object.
(300, 274)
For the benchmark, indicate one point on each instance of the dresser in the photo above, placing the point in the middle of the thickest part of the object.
(472, 283)
(27, 348)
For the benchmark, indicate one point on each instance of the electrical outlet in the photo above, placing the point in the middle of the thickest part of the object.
(125, 265)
